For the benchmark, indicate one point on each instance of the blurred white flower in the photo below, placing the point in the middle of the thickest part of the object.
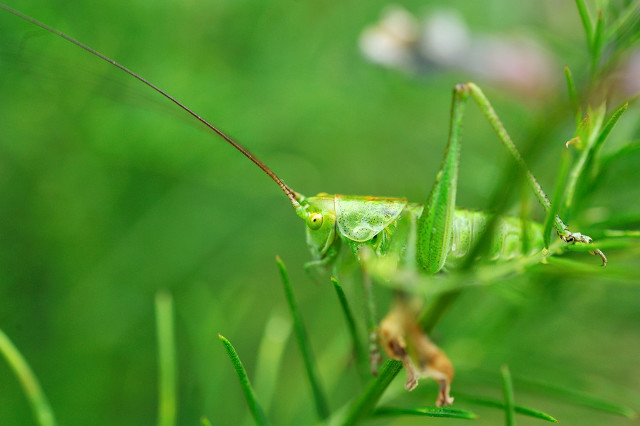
(391, 41)
(443, 41)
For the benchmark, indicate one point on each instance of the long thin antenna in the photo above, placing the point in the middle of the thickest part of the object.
(293, 196)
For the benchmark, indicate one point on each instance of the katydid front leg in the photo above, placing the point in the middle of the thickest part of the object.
(435, 225)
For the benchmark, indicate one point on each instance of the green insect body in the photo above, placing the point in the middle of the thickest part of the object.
(385, 225)
(419, 237)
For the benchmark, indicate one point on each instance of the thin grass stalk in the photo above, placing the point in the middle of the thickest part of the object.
(573, 94)
(32, 389)
(586, 22)
(488, 402)
(454, 413)
(596, 45)
(167, 405)
(556, 199)
(255, 408)
(322, 407)
(364, 405)
(274, 341)
(579, 398)
(359, 354)
(509, 404)
(608, 127)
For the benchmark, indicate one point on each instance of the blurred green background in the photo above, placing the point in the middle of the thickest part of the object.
(108, 194)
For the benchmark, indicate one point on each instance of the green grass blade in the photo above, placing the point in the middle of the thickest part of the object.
(32, 389)
(358, 351)
(629, 16)
(364, 405)
(573, 94)
(597, 42)
(509, 404)
(556, 199)
(494, 403)
(588, 132)
(579, 398)
(255, 408)
(274, 341)
(322, 407)
(610, 124)
(426, 412)
(586, 21)
(166, 360)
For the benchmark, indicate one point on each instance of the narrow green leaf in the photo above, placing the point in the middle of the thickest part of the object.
(579, 398)
(525, 219)
(166, 360)
(249, 394)
(205, 421)
(556, 199)
(586, 21)
(588, 131)
(322, 407)
(596, 45)
(364, 405)
(509, 404)
(358, 351)
(610, 124)
(629, 16)
(277, 332)
(628, 149)
(488, 402)
(427, 412)
(32, 389)
(573, 94)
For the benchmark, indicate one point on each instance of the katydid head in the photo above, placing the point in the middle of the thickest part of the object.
(319, 214)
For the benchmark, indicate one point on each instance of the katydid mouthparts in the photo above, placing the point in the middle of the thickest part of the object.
(422, 237)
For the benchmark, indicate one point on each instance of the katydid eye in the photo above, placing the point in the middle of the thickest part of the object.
(315, 221)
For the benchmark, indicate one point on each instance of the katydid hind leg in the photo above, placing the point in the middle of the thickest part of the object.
(435, 225)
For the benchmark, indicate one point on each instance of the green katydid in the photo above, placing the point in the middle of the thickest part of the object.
(422, 236)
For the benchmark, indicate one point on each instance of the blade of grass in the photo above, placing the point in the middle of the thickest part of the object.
(426, 412)
(32, 389)
(596, 44)
(573, 94)
(166, 360)
(255, 408)
(359, 354)
(629, 15)
(556, 199)
(588, 132)
(586, 21)
(488, 402)
(606, 130)
(274, 340)
(509, 405)
(579, 398)
(322, 407)
(525, 219)
(364, 405)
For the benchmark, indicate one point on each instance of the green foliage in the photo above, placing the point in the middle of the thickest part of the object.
(255, 408)
(108, 195)
(320, 399)
(166, 360)
(32, 388)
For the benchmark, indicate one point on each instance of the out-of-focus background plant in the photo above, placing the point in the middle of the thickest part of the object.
(108, 194)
